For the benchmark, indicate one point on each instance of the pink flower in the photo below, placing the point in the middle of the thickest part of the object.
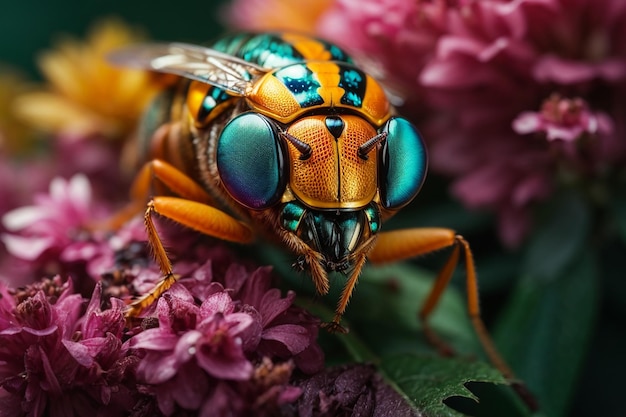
(55, 234)
(202, 345)
(211, 334)
(500, 61)
(564, 119)
(394, 39)
(56, 362)
(56, 219)
(219, 342)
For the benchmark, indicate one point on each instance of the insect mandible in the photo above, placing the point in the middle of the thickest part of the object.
(282, 136)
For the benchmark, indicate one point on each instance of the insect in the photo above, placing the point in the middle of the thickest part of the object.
(282, 136)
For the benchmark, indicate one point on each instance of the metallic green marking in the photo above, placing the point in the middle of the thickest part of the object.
(353, 82)
(291, 215)
(373, 219)
(300, 81)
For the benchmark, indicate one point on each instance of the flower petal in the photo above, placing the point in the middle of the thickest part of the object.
(27, 248)
(154, 339)
(78, 352)
(296, 338)
(24, 216)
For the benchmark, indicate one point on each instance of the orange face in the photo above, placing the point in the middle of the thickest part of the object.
(334, 176)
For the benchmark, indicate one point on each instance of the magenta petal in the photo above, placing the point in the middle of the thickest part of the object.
(23, 217)
(156, 369)
(79, 352)
(238, 322)
(289, 394)
(28, 248)
(192, 387)
(568, 134)
(552, 68)
(450, 45)
(234, 366)
(273, 305)
(154, 339)
(40, 332)
(186, 345)
(294, 337)
(527, 122)
(217, 303)
(51, 377)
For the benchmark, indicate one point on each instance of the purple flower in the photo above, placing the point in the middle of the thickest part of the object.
(55, 361)
(564, 119)
(57, 234)
(217, 331)
(211, 334)
(394, 39)
(352, 390)
(496, 64)
(55, 220)
(193, 345)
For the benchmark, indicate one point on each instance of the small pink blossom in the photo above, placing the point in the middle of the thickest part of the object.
(56, 219)
(564, 119)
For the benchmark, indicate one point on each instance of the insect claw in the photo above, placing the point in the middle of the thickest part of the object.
(334, 327)
(300, 264)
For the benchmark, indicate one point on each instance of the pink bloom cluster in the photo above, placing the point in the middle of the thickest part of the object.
(210, 340)
(508, 93)
(57, 359)
(221, 340)
(532, 89)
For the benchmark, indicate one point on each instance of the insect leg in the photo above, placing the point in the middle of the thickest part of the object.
(335, 324)
(153, 173)
(403, 244)
(192, 210)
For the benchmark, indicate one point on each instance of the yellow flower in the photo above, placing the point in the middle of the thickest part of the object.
(295, 15)
(86, 95)
(15, 137)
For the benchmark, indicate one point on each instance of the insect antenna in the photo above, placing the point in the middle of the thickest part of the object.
(367, 147)
(303, 148)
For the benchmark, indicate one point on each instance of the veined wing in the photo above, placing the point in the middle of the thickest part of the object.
(193, 62)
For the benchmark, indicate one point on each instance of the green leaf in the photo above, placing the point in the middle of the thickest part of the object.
(384, 307)
(356, 349)
(560, 236)
(618, 206)
(383, 323)
(544, 331)
(427, 383)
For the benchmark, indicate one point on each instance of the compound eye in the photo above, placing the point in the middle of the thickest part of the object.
(250, 161)
(403, 163)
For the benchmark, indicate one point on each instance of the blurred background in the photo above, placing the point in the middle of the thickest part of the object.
(31, 26)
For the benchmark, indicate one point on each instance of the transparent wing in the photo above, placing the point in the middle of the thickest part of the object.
(191, 61)
(395, 94)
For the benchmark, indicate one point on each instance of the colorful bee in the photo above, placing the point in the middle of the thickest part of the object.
(282, 136)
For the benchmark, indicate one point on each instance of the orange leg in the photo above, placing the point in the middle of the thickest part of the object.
(346, 293)
(198, 216)
(192, 210)
(152, 173)
(403, 244)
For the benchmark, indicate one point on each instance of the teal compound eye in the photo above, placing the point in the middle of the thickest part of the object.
(403, 163)
(251, 161)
